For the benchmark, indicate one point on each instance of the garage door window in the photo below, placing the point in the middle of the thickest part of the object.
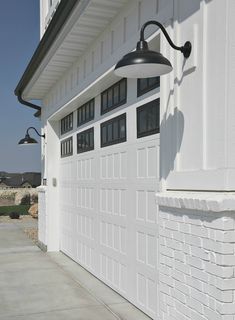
(113, 131)
(66, 147)
(85, 140)
(85, 113)
(146, 84)
(114, 96)
(148, 119)
(66, 124)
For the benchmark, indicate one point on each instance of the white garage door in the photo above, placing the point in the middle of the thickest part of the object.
(108, 211)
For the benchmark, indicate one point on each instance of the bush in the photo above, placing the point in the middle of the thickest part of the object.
(25, 199)
(34, 198)
(14, 215)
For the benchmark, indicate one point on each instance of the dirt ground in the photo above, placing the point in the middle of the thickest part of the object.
(32, 232)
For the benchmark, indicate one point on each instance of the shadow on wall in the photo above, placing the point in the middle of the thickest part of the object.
(172, 129)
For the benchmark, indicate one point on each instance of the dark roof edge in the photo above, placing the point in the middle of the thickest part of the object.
(61, 15)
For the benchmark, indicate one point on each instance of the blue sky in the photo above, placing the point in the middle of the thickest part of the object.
(19, 37)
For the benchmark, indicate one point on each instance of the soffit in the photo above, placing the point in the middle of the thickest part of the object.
(88, 20)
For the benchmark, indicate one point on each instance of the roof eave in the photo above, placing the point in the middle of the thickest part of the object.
(61, 15)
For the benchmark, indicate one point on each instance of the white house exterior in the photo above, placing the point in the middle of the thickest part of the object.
(150, 214)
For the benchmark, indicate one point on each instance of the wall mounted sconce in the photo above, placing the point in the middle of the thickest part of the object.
(144, 63)
(28, 140)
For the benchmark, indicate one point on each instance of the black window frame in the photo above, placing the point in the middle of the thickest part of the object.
(111, 91)
(149, 86)
(65, 124)
(65, 150)
(106, 125)
(90, 106)
(139, 110)
(91, 146)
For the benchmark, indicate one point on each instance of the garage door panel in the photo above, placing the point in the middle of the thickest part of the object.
(113, 201)
(85, 168)
(111, 226)
(114, 273)
(113, 165)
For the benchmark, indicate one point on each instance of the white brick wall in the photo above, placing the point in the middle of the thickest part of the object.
(196, 264)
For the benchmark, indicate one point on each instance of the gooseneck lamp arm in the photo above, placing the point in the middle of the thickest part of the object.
(185, 49)
(27, 140)
(145, 63)
(40, 135)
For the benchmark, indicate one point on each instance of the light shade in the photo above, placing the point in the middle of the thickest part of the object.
(142, 64)
(27, 140)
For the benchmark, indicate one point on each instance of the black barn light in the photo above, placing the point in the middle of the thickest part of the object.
(28, 140)
(144, 63)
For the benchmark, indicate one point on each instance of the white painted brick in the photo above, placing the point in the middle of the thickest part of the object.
(218, 247)
(179, 255)
(167, 280)
(199, 231)
(163, 305)
(193, 240)
(200, 253)
(195, 262)
(178, 295)
(228, 317)
(185, 228)
(169, 301)
(178, 275)
(197, 270)
(172, 225)
(176, 245)
(212, 234)
(203, 298)
(222, 296)
(164, 288)
(178, 236)
(225, 260)
(182, 287)
(225, 308)
(225, 236)
(195, 305)
(176, 315)
(212, 303)
(196, 316)
(222, 272)
(225, 284)
(182, 267)
(199, 274)
(162, 241)
(186, 248)
(193, 219)
(176, 217)
(195, 283)
(211, 314)
(163, 214)
(169, 262)
(166, 233)
(221, 223)
(166, 251)
(165, 270)
(182, 308)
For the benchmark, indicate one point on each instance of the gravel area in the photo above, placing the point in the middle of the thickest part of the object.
(28, 224)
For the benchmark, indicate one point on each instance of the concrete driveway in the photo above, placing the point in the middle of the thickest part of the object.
(38, 286)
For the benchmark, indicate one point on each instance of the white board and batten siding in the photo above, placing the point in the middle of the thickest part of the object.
(108, 211)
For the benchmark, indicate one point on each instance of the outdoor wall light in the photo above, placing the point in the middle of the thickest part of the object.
(28, 140)
(144, 63)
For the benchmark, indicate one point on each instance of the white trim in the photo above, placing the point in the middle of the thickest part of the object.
(203, 201)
